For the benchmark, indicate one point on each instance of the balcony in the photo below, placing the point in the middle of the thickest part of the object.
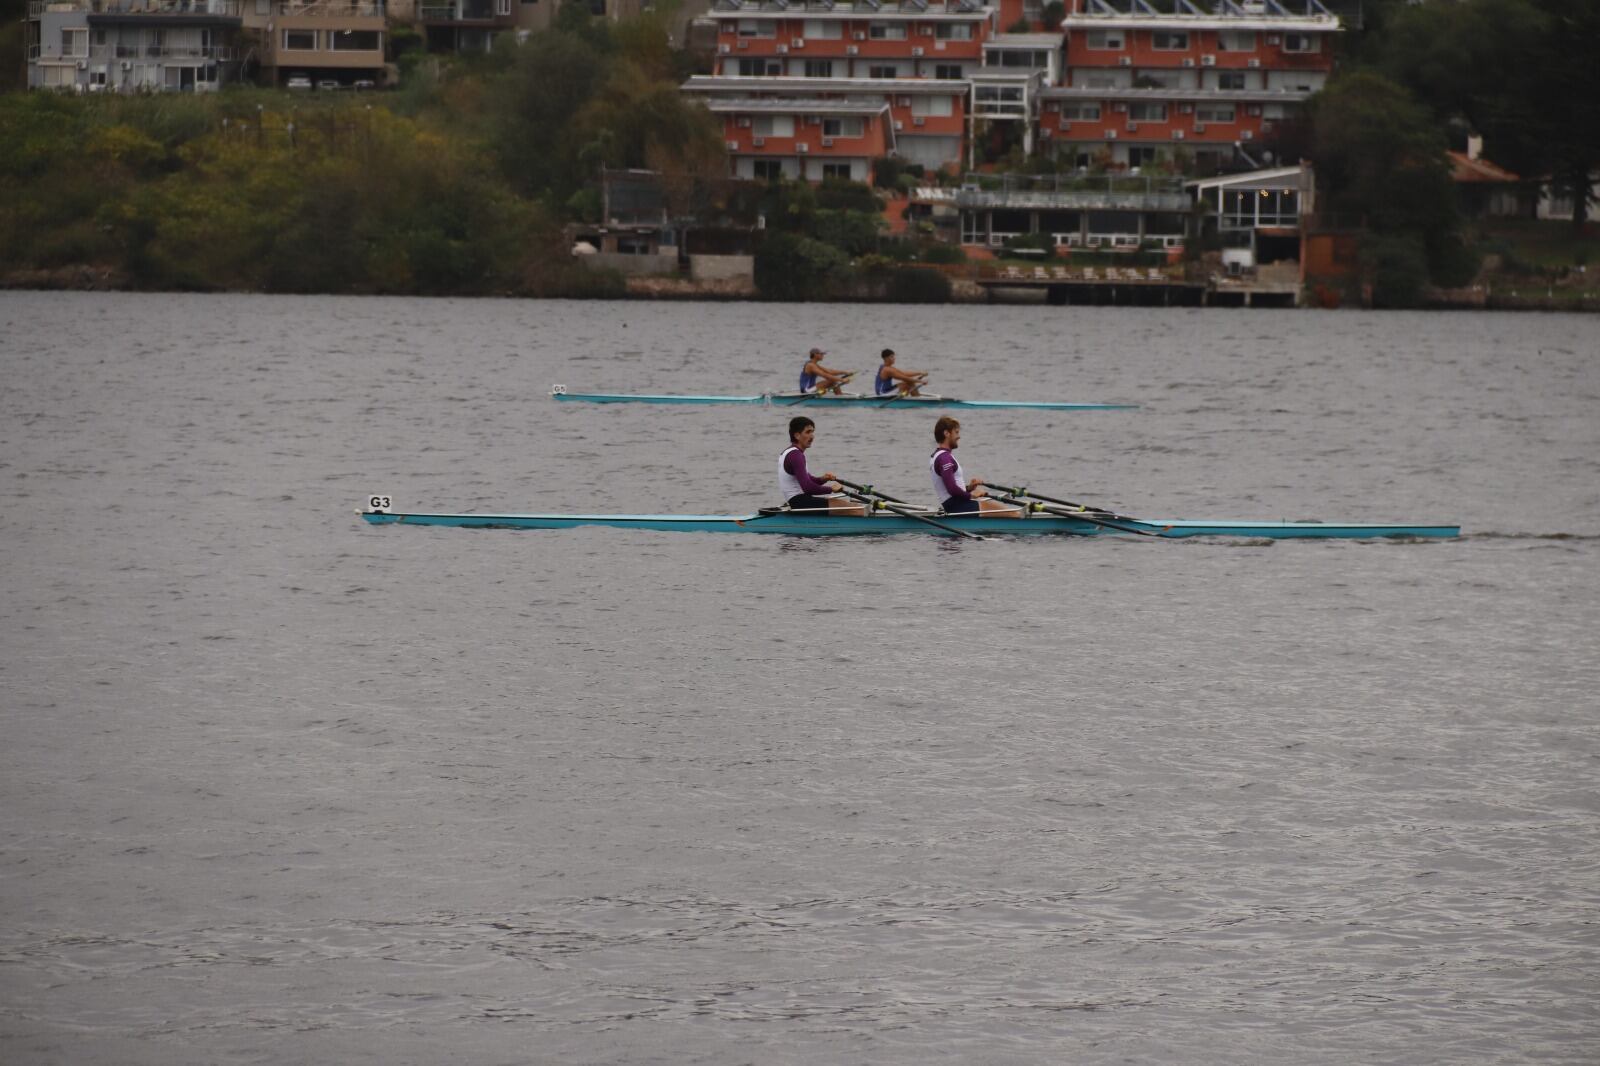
(480, 11)
(1057, 191)
(214, 53)
(339, 9)
(163, 12)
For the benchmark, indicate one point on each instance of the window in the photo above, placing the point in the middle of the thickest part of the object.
(299, 40)
(357, 40)
(767, 169)
(825, 29)
(1158, 79)
(1215, 113)
(953, 31)
(819, 68)
(1169, 41)
(1141, 155)
(947, 72)
(1147, 112)
(932, 106)
(887, 31)
(1236, 40)
(502, 7)
(759, 68)
(1105, 41)
(882, 72)
(841, 127)
(1301, 42)
(774, 126)
(1230, 79)
(1244, 208)
(75, 43)
(757, 28)
(97, 76)
(836, 170)
(1080, 112)
(1028, 60)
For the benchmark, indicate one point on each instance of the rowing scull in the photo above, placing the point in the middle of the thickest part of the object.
(814, 399)
(792, 523)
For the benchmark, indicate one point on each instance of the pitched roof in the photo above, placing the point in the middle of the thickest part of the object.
(1478, 171)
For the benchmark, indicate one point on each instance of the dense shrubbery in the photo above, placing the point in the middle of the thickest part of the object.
(457, 183)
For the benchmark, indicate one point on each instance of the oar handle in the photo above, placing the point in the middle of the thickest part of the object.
(903, 512)
(869, 490)
(1074, 512)
(1051, 499)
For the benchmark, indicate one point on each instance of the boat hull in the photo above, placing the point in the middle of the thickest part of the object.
(791, 524)
(798, 399)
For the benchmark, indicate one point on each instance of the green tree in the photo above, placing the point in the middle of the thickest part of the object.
(1521, 72)
(792, 267)
(1380, 157)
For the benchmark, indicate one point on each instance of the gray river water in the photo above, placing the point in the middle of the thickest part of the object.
(280, 787)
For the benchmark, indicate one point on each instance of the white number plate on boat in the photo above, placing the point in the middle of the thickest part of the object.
(379, 503)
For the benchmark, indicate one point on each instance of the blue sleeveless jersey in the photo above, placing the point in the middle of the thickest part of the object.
(808, 381)
(885, 384)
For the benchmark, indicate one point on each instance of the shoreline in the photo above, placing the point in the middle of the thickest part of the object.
(1485, 297)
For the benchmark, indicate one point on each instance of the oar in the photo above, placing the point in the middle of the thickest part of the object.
(876, 502)
(1074, 512)
(1052, 499)
(808, 397)
(869, 490)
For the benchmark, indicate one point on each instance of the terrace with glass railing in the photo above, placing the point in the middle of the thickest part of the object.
(188, 8)
(462, 11)
(1225, 12)
(331, 8)
(848, 7)
(1093, 192)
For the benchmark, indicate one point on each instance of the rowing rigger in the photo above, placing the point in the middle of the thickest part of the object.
(817, 399)
(905, 518)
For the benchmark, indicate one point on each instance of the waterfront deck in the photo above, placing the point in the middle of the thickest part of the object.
(1132, 286)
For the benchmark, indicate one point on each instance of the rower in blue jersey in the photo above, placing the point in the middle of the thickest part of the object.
(893, 381)
(956, 492)
(814, 377)
(799, 489)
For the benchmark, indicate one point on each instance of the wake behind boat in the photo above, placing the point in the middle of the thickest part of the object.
(817, 399)
(888, 518)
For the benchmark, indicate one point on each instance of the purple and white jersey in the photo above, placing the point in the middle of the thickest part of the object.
(948, 480)
(793, 477)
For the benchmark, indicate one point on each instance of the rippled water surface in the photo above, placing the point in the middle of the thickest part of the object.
(276, 786)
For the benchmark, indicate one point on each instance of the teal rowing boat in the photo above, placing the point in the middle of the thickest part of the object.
(920, 520)
(846, 400)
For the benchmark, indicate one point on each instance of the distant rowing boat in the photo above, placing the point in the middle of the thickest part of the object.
(925, 520)
(812, 399)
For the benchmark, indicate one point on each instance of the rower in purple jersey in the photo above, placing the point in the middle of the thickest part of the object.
(956, 492)
(799, 489)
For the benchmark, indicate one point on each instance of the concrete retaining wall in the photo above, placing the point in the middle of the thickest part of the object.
(722, 267)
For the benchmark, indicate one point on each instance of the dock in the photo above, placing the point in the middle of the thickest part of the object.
(1133, 287)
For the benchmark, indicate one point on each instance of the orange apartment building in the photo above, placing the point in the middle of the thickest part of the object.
(1124, 81)
(908, 66)
(1147, 77)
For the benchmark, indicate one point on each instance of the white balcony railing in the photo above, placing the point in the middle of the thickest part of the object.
(333, 9)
